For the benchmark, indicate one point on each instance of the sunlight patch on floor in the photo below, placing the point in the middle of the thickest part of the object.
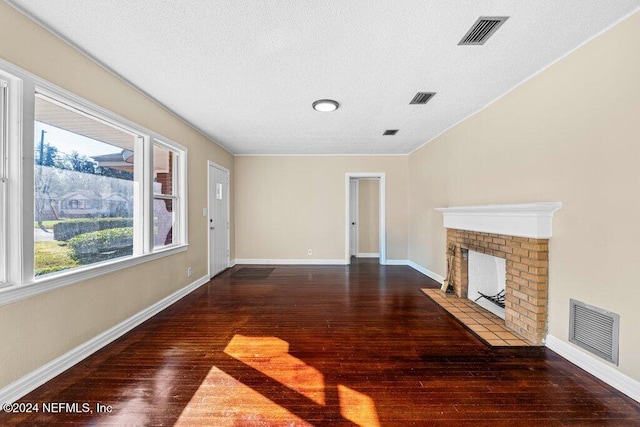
(270, 356)
(357, 407)
(224, 401)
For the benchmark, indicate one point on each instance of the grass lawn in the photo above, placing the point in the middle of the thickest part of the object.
(52, 256)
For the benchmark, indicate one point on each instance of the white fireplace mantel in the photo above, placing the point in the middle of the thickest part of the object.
(523, 220)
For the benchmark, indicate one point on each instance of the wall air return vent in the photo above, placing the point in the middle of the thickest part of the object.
(484, 28)
(390, 131)
(594, 329)
(422, 97)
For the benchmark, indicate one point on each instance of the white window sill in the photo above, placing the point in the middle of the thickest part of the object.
(13, 293)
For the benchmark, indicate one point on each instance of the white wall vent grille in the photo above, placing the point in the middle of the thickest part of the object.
(483, 28)
(595, 330)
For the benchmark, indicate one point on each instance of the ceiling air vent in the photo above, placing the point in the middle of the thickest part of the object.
(484, 28)
(422, 97)
(594, 329)
(390, 131)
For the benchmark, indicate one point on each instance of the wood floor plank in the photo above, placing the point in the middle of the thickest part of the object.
(322, 345)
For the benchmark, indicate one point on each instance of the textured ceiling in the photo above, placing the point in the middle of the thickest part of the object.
(246, 73)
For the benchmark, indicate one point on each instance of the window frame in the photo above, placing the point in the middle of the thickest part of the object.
(19, 255)
(178, 189)
(12, 186)
(86, 109)
(4, 181)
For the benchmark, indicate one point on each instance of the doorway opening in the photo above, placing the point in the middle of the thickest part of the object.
(365, 230)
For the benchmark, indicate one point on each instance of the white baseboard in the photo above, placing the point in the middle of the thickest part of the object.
(435, 276)
(232, 263)
(41, 375)
(302, 261)
(368, 255)
(438, 278)
(598, 369)
(397, 262)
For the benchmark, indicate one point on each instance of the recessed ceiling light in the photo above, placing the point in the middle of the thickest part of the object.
(325, 105)
(390, 131)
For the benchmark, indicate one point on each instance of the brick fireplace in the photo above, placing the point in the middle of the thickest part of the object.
(527, 278)
(519, 234)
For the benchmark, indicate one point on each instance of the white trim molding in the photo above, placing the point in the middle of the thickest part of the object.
(598, 369)
(41, 375)
(302, 261)
(397, 262)
(435, 276)
(523, 220)
(368, 255)
(430, 274)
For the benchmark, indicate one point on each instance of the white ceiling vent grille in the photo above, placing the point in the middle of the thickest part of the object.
(484, 28)
(422, 97)
(595, 330)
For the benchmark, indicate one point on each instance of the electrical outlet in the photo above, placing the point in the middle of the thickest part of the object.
(309, 252)
(189, 272)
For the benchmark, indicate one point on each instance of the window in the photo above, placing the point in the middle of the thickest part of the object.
(89, 193)
(4, 138)
(166, 202)
(84, 182)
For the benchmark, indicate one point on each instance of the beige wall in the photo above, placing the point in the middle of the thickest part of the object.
(39, 329)
(570, 134)
(288, 204)
(368, 216)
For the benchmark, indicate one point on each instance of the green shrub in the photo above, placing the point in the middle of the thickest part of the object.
(102, 245)
(68, 229)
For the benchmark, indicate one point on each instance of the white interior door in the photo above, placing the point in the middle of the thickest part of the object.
(353, 217)
(218, 219)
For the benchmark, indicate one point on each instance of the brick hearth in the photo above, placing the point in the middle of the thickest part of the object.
(527, 276)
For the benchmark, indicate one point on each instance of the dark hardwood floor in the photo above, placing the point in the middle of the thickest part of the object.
(321, 345)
